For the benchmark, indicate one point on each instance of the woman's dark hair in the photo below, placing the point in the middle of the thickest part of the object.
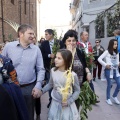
(110, 47)
(67, 57)
(70, 33)
(42, 39)
(98, 40)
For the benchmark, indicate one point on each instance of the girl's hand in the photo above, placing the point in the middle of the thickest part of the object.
(108, 66)
(64, 104)
(89, 76)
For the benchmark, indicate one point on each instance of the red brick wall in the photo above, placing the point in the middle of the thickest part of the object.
(12, 12)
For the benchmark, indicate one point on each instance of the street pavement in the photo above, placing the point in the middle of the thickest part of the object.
(100, 111)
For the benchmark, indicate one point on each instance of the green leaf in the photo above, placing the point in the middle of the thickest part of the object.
(86, 98)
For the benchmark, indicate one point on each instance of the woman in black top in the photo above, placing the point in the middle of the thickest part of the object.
(79, 64)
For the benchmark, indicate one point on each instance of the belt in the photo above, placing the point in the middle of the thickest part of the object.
(25, 85)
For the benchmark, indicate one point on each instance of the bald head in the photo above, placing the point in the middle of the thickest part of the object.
(116, 32)
(84, 36)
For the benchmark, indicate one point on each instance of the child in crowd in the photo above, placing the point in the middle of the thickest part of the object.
(59, 109)
(111, 65)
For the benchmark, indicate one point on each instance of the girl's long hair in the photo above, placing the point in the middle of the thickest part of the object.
(110, 47)
(67, 57)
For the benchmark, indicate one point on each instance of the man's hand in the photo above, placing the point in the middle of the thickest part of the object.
(108, 66)
(52, 55)
(36, 93)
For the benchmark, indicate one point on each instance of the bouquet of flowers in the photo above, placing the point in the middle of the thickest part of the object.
(89, 60)
(88, 56)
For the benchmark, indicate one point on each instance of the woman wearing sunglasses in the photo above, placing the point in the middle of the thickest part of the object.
(97, 51)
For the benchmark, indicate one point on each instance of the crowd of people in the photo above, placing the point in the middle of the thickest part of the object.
(27, 72)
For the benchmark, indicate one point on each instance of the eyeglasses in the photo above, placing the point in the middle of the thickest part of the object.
(96, 42)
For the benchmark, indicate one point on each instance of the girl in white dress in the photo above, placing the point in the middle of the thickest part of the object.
(59, 109)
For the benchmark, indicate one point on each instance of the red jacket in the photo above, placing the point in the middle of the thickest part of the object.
(80, 46)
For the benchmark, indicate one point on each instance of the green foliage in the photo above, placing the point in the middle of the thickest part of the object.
(113, 21)
(99, 26)
(113, 17)
(60, 38)
(89, 57)
(86, 99)
(55, 47)
(10, 38)
(55, 33)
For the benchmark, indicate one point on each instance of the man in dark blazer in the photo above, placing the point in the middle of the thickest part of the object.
(46, 49)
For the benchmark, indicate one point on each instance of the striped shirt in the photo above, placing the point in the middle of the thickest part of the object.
(51, 43)
(28, 62)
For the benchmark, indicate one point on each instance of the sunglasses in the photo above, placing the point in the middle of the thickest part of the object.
(96, 42)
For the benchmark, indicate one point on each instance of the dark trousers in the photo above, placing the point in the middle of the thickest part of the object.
(47, 77)
(30, 105)
(92, 86)
(30, 101)
(38, 106)
(99, 66)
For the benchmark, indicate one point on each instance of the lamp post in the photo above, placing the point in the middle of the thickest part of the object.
(2, 15)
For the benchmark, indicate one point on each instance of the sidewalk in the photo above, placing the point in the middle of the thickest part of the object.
(103, 111)
(100, 111)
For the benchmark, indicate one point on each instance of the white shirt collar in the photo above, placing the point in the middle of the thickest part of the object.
(51, 40)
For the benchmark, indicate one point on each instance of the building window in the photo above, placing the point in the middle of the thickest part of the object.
(87, 29)
(12, 1)
(25, 6)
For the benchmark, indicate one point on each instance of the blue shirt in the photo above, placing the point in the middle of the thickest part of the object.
(118, 39)
(28, 62)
